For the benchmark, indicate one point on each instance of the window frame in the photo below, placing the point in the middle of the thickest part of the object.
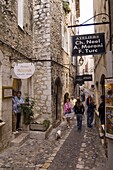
(21, 14)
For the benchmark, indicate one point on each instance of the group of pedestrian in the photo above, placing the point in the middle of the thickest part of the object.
(17, 102)
(77, 106)
(74, 106)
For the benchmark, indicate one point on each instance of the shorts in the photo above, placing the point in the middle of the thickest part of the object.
(70, 115)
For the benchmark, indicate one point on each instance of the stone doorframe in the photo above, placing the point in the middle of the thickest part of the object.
(102, 82)
(58, 95)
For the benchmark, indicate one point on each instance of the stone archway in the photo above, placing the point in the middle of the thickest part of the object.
(58, 95)
(102, 82)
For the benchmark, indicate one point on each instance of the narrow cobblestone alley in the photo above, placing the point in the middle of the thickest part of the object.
(74, 151)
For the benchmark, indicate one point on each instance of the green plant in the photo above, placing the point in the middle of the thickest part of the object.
(66, 7)
(46, 123)
(28, 110)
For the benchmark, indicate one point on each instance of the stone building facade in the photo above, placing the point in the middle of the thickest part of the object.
(15, 47)
(55, 73)
(36, 31)
(103, 63)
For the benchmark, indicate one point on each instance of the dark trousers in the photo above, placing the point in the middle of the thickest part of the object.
(79, 121)
(18, 121)
(90, 116)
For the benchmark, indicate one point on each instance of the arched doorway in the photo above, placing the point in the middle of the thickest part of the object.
(58, 94)
(102, 82)
(16, 84)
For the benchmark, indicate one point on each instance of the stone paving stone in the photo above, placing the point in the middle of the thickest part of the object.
(49, 161)
(79, 166)
(90, 154)
(46, 165)
(82, 149)
(83, 144)
(39, 166)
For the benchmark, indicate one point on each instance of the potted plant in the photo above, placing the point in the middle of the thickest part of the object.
(66, 7)
(28, 110)
(40, 126)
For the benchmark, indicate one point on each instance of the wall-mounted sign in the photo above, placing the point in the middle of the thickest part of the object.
(109, 107)
(6, 92)
(81, 78)
(87, 77)
(88, 44)
(24, 70)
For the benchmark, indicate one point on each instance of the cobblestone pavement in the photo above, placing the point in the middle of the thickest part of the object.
(76, 150)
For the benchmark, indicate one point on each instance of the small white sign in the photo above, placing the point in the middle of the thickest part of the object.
(24, 70)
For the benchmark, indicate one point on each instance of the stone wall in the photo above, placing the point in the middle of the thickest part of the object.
(42, 57)
(56, 31)
(10, 32)
(41, 30)
(111, 16)
(42, 89)
(50, 59)
(15, 44)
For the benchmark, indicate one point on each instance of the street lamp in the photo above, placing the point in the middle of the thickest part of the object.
(81, 61)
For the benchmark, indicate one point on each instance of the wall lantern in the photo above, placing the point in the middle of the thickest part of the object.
(81, 61)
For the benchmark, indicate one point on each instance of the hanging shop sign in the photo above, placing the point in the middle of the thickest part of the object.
(24, 70)
(88, 44)
(87, 77)
(81, 78)
(109, 108)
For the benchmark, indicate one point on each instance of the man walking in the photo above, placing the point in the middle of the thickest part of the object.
(79, 111)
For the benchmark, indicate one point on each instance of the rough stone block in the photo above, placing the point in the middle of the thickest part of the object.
(20, 139)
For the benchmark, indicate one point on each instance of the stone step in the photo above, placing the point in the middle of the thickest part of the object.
(38, 135)
(20, 139)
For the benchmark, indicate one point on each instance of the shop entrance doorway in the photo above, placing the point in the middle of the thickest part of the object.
(16, 87)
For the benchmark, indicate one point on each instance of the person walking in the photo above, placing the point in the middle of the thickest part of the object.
(79, 111)
(89, 98)
(67, 111)
(82, 95)
(90, 112)
(18, 101)
(72, 101)
(14, 109)
(101, 110)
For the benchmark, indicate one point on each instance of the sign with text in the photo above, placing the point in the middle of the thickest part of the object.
(79, 80)
(6, 92)
(87, 77)
(88, 44)
(24, 70)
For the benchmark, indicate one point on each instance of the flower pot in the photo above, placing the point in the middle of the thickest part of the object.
(38, 127)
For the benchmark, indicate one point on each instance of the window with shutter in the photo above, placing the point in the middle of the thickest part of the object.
(62, 29)
(20, 13)
(65, 38)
